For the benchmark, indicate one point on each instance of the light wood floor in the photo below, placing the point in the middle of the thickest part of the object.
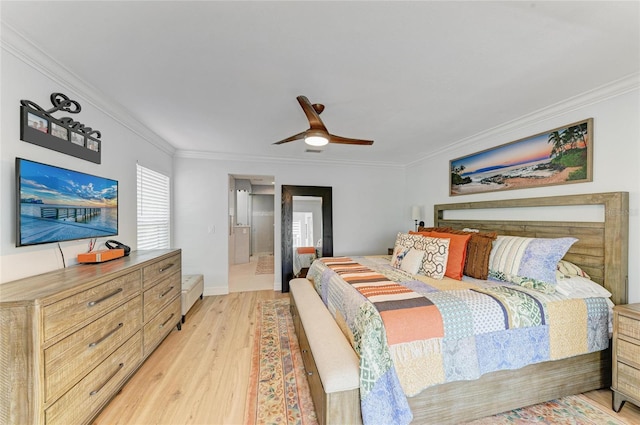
(200, 375)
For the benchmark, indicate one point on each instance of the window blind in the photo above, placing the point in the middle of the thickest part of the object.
(154, 212)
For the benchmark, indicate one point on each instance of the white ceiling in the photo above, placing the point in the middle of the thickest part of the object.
(221, 78)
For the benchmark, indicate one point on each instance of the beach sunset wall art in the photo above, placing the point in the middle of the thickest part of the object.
(560, 156)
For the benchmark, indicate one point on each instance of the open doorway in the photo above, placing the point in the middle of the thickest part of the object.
(251, 233)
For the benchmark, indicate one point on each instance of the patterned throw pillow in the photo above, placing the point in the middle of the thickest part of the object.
(514, 258)
(526, 282)
(567, 268)
(478, 252)
(434, 262)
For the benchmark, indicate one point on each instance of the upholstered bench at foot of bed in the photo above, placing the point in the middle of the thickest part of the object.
(192, 289)
(332, 367)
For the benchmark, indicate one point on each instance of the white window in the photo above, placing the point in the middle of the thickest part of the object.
(302, 229)
(154, 211)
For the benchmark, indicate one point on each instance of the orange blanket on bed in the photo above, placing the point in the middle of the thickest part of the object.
(400, 307)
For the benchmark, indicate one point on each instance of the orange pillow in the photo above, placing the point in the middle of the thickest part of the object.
(457, 253)
(421, 233)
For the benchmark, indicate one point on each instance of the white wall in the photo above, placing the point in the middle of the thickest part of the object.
(365, 209)
(369, 204)
(616, 113)
(121, 149)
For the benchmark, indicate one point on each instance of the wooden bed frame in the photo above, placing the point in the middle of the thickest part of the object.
(602, 248)
(602, 251)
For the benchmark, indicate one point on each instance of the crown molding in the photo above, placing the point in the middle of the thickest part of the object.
(217, 156)
(26, 51)
(16, 44)
(607, 91)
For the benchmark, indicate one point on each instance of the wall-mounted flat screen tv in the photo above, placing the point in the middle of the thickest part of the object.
(56, 204)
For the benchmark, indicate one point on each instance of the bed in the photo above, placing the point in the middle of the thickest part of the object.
(599, 251)
(303, 256)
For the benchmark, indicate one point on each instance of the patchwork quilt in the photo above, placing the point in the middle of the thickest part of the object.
(412, 332)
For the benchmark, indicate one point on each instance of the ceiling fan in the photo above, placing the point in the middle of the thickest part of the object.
(317, 134)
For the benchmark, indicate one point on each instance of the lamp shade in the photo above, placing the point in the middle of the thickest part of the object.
(415, 212)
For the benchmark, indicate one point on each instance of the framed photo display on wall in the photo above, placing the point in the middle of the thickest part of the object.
(66, 135)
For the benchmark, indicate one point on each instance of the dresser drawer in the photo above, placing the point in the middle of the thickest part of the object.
(157, 297)
(629, 327)
(79, 404)
(62, 315)
(628, 380)
(159, 270)
(161, 325)
(628, 352)
(68, 360)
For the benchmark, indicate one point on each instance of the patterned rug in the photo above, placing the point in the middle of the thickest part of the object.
(265, 264)
(278, 388)
(570, 410)
(279, 391)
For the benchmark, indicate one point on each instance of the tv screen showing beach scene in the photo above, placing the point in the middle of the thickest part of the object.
(56, 204)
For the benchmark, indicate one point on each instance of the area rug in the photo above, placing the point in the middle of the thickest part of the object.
(279, 391)
(278, 388)
(570, 410)
(265, 264)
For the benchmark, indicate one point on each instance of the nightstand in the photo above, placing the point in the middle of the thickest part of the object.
(626, 355)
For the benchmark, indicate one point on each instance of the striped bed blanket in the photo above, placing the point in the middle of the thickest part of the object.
(412, 332)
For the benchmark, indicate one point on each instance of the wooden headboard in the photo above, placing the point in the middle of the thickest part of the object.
(602, 249)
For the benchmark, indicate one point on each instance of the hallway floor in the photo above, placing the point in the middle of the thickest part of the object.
(243, 277)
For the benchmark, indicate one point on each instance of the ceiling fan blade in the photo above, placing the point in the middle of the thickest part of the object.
(314, 119)
(347, 141)
(298, 136)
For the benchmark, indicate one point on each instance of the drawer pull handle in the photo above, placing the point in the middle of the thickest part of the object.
(106, 297)
(166, 321)
(165, 292)
(93, 344)
(167, 267)
(310, 373)
(94, 392)
(304, 351)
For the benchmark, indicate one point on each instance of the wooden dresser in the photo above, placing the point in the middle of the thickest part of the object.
(71, 338)
(626, 355)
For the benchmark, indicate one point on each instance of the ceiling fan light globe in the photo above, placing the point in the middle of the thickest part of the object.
(316, 140)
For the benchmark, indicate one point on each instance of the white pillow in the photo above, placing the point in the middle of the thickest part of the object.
(412, 261)
(580, 287)
(399, 252)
